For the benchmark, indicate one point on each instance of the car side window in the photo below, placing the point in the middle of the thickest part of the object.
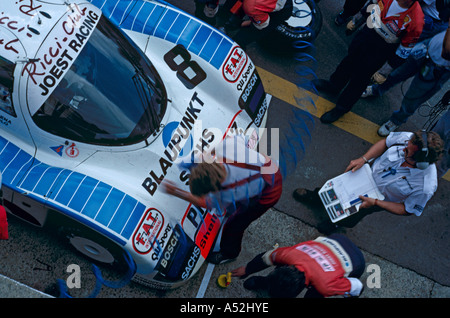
(6, 86)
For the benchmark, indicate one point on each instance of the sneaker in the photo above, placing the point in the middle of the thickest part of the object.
(368, 92)
(218, 258)
(327, 227)
(331, 116)
(341, 18)
(387, 128)
(378, 78)
(306, 196)
(354, 24)
(351, 27)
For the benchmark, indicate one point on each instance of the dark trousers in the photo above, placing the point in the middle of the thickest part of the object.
(355, 254)
(366, 54)
(245, 214)
(352, 7)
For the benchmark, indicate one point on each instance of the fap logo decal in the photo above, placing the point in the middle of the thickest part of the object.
(235, 64)
(148, 231)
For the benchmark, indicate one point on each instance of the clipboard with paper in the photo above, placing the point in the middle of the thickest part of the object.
(340, 195)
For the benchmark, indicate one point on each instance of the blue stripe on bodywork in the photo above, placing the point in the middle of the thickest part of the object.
(164, 21)
(100, 206)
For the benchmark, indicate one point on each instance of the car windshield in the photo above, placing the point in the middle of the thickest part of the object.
(112, 95)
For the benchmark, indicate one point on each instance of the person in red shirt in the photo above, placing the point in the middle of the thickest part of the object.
(326, 266)
(264, 15)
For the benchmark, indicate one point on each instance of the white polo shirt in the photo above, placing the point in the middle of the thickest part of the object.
(411, 186)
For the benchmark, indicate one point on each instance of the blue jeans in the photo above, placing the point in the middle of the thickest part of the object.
(398, 75)
(413, 63)
(421, 89)
(432, 27)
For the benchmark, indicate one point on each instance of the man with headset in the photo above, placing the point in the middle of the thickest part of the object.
(403, 169)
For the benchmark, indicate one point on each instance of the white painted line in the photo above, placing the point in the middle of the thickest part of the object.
(205, 281)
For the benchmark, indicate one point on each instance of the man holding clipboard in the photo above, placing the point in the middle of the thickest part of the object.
(403, 170)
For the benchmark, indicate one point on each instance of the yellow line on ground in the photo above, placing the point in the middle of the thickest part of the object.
(293, 95)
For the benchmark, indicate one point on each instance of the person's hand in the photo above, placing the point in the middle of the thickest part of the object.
(238, 272)
(367, 202)
(355, 164)
(246, 23)
(169, 187)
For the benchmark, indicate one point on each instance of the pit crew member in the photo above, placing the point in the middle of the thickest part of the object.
(326, 266)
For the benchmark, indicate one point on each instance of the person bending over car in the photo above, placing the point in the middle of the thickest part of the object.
(326, 266)
(240, 182)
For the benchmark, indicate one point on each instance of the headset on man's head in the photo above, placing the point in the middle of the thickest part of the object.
(423, 152)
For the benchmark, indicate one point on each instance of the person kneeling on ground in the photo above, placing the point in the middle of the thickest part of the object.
(326, 266)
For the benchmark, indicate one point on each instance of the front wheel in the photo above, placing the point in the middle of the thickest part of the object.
(92, 249)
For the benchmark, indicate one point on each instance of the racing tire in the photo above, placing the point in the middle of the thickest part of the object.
(92, 249)
(304, 24)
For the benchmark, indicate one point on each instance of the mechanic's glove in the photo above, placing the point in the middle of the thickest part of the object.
(380, 76)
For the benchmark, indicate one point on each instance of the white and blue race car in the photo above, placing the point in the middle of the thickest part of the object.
(98, 101)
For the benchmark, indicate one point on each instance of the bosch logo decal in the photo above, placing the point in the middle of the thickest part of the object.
(169, 252)
(250, 85)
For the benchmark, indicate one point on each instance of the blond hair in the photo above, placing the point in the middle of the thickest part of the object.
(206, 177)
